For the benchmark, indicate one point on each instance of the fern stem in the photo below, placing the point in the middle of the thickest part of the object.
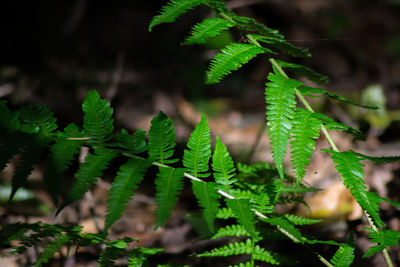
(78, 138)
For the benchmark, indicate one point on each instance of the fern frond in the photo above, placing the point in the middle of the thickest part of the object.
(11, 144)
(88, 173)
(30, 155)
(218, 6)
(384, 238)
(169, 183)
(243, 213)
(51, 248)
(337, 126)
(304, 71)
(135, 143)
(8, 119)
(37, 119)
(286, 228)
(233, 56)
(237, 248)
(172, 10)
(306, 128)
(231, 230)
(198, 152)
(344, 256)
(128, 177)
(311, 91)
(263, 202)
(209, 27)
(251, 25)
(162, 139)
(225, 213)
(283, 45)
(280, 97)
(349, 166)
(379, 160)
(263, 255)
(207, 197)
(298, 220)
(223, 166)
(62, 154)
(97, 119)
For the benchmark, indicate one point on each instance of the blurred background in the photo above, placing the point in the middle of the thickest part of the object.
(54, 52)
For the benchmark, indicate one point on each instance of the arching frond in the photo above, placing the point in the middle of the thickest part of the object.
(97, 119)
(349, 166)
(233, 56)
(172, 10)
(344, 256)
(305, 129)
(209, 27)
(237, 248)
(11, 144)
(251, 25)
(304, 71)
(88, 173)
(128, 177)
(62, 154)
(30, 155)
(162, 139)
(198, 152)
(222, 164)
(245, 216)
(135, 143)
(36, 119)
(169, 183)
(263, 255)
(298, 220)
(385, 238)
(311, 91)
(225, 213)
(280, 98)
(283, 45)
(207, 197)
(231, 230)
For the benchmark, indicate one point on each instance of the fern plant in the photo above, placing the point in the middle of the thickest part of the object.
(225, 191)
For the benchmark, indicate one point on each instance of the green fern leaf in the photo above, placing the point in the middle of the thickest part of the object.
(223, 166)
(349, 166)
(218, 6)
(63, 152)
(8, 119)
(297, 220)
(233, 56)
(280, 97)
(37, 119)
(286, 227)
(225, 213)
(11, 144)
(88, 172)
(30, 155)
(304, 71)
(251, 25)
(261, 254)
(231, 230)
(169, 183)
(243, 213)
(209, 27)
(283, 45)
(344, 256)
(128, 177)
(337, 126)
(134, 143)
(97, 120)
(198, 154)
(162, 139)
(379, 160)
(305, 129)
(311, 91)
(172, 10)
(237, 248)
(384, 238)
(207, 197)
(50, 249)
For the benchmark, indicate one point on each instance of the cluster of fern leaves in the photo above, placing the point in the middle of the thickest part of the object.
(237, 200)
